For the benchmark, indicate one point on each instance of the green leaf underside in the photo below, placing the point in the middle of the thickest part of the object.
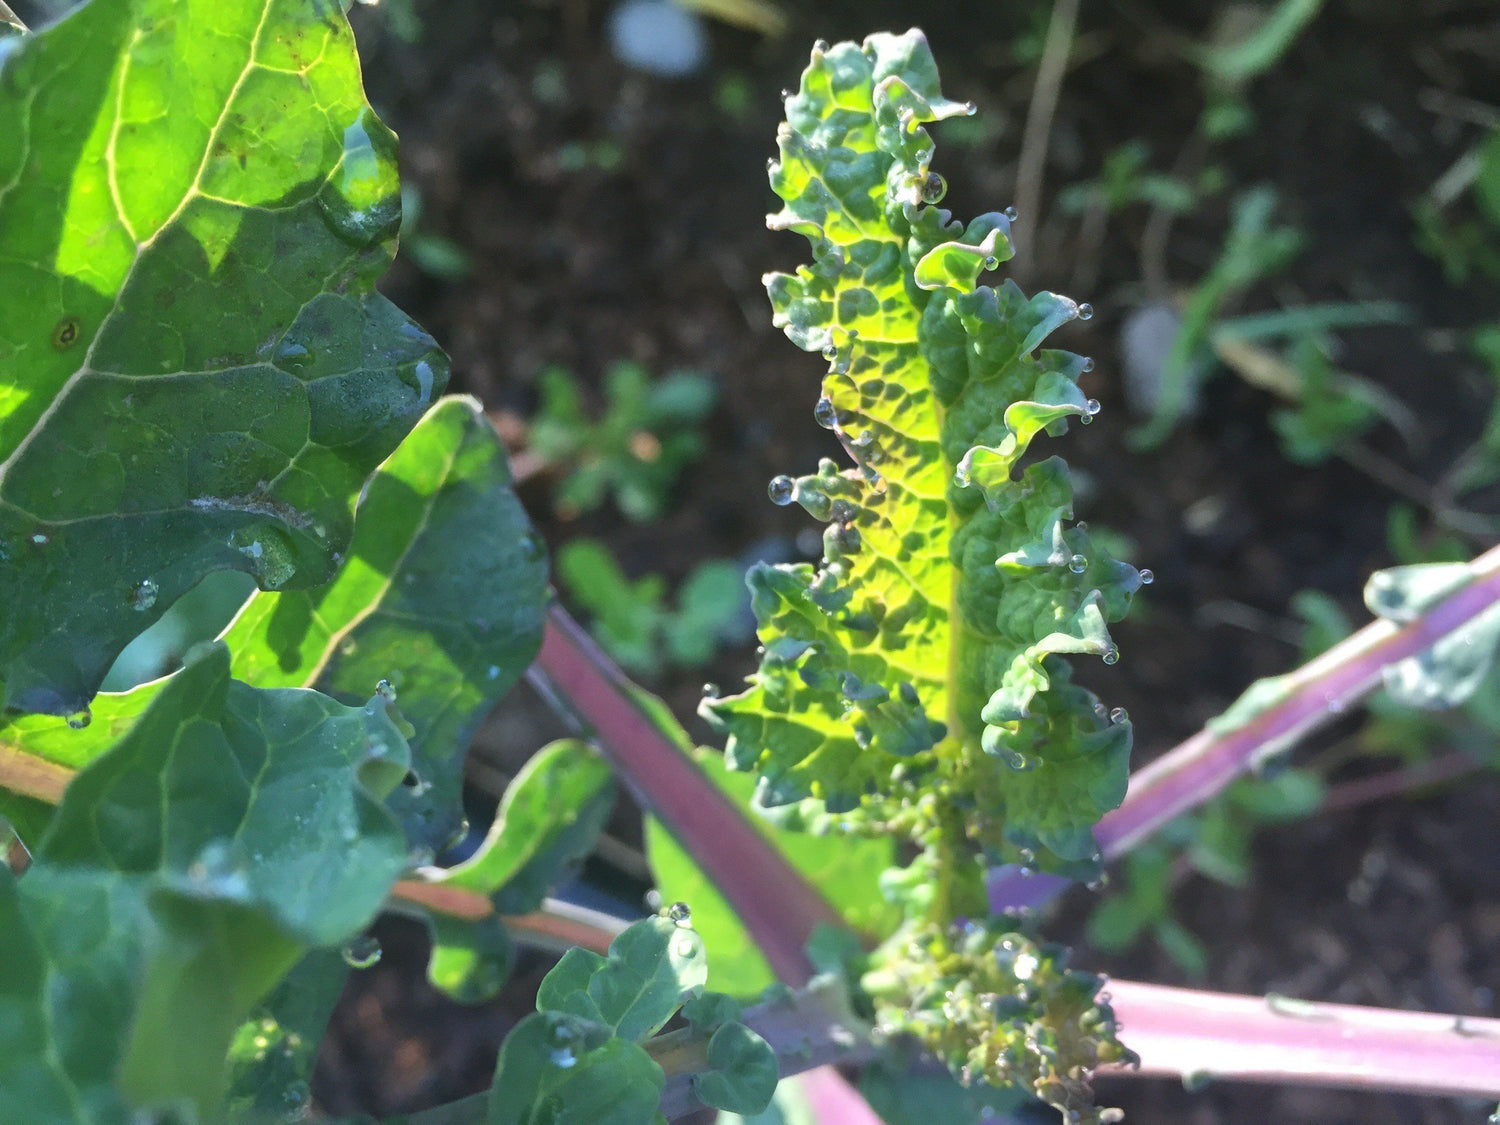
(550, 816)
(442, 593)
(195, 371)
(929, 641)
(170, 892)
(548, 821)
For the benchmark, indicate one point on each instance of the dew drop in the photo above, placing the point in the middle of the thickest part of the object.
(362, 952)
(825, 414)
(419, 377)
(1147, 577)
(291, 355)
(385, 690)
(991, 262)
(296, 1100)
(782, 490)
(143, 596)
(80, 719)
(361, 204)
(1085, 311)
(1078, 564)
(711, 691)
(1111, 655)
(680, 913)
(1088, 364)
(1011, 214)
(830, 350)
(934, 188)
(770, 164)
(1119, 715)
(847, 538)
(785, 93)
(971, 108)
(221, 870)
(1093, 407)
(1021, 763)
(821, 46)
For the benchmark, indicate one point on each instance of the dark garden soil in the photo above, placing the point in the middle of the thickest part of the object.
(612, 215)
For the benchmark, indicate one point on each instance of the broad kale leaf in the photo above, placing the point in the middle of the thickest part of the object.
(185, 872)
(195, 370)
(925, 653)
(442, 595)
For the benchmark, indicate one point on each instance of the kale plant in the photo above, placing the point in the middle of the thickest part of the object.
(197, 376)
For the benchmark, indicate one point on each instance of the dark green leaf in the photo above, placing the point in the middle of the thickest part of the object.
(558, 1070)
(652, 968)
(742, 1072)
(442, 594)
(184, 873)
(272, 1055)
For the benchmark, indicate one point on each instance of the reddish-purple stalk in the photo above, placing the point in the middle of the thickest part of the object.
(778, 907)
(1185, 1032)
(1316, 694)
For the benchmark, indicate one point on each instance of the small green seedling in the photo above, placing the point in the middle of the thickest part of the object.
(649, 433)
(633, 621)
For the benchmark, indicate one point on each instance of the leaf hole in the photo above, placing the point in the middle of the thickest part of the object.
(66, 334)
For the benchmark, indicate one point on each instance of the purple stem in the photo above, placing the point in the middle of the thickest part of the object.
(777, 905)
(1315, 694)
(1185, 1032)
